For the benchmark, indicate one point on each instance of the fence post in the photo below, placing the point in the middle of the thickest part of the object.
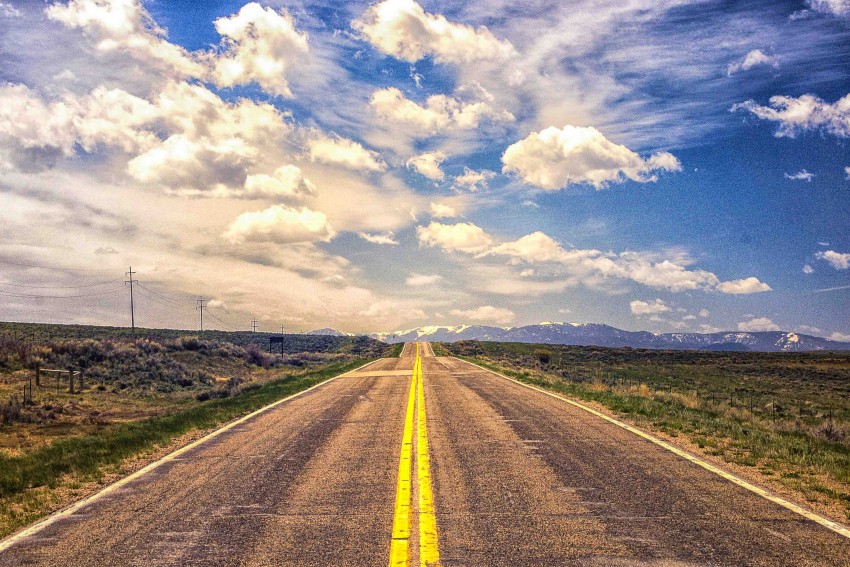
(70, 380)
(80, 376)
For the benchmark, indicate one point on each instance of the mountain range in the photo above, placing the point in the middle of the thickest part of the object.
(593, 334)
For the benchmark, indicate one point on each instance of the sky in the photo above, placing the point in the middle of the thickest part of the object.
(661, 165)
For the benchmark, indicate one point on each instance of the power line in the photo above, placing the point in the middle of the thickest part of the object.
(54, 268)
(105, 292)
(26, 286)
(175, 302)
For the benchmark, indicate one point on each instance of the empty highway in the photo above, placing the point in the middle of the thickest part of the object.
(428, 460)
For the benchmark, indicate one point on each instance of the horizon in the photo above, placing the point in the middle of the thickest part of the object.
(666, 166)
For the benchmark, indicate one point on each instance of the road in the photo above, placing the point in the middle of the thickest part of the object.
(497, 474)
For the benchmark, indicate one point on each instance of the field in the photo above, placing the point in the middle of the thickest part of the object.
(133, 395)
(783, 418)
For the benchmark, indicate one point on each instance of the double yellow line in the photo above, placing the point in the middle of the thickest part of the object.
(429, 551)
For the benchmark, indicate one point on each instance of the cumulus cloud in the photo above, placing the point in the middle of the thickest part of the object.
(402, 29)
(37, 129)
(757, 324)
(280, 224)
(744, 286)
(442, 211)
(840, 8)
(460, 237)
(801, 175)
(472, 180)
(752, 59)
(486, 314)
(347, 153)
(837, 260)
(639, 307)
(287, 183)
(428, 164)
(704, 312)
(9, 11)
(847, 173)
(647, 269)
(420, 280)
(808, 269)
(439, 113)
(387, 238)
(258, 45)
(803, 113)
(556, 157)
(125, 26)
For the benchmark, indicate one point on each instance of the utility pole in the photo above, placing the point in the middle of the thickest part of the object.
(281, 329)
(201, 305)
(131, 281)
(254, 325)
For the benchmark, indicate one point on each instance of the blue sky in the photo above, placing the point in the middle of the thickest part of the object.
(661, 165)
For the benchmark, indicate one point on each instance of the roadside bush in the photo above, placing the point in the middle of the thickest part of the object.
(255, 355)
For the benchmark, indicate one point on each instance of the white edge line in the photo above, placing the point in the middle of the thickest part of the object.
(829, 524)
(65, 512)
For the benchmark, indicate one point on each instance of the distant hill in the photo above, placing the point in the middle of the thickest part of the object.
(328, 332)
(593, 334)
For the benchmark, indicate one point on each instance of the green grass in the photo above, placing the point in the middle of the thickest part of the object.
(395, 350)
(794, 451)
(85, 457)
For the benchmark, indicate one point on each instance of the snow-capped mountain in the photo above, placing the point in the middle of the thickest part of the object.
(327, 331)
(591, 334)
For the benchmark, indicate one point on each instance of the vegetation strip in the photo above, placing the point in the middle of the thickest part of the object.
(834, 526)
(87, 454)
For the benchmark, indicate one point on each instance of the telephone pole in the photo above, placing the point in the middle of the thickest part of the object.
(131, 281)
(201, 305)
(254, 325)
(281, 329)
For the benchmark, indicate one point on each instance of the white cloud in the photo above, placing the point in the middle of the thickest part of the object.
(639, 307)
(807, 269)
(837, 260)
(801, 175)
(347, 153)
(472, 180)
(439, 113)
(258, 45)
(461, 237)
(486, 314)
(9, 11)
(744, 286)
(806, 112)
(646, 269)
(839, 8)
(387, 238)
(280, 224)
(750, 60)
(402, 29)
(757, 324)
(554, 158)
(443, 211)
(428, 164)
(287, 182)
(420, 280)
(704, 312)
(125, 26)
(847, 173)
(840, 337)
(39, 130)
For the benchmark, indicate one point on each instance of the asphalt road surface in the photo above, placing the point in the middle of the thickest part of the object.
(497, 474)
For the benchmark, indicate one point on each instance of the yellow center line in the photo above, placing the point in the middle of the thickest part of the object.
(399, 549)
(429, 550)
